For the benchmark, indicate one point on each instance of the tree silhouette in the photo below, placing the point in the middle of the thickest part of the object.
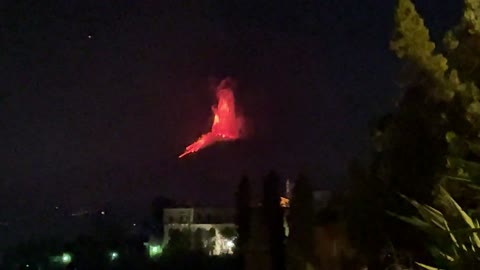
(431, 137)
(301, 224)
(243, 217)
(273, 218)
(180, 241)
(199, 240)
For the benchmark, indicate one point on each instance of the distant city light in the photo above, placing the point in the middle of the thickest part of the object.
(113, 255)
(65, 258)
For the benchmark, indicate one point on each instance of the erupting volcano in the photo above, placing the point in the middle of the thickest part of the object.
(226, 124)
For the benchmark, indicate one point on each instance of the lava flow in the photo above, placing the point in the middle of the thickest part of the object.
(226, 124)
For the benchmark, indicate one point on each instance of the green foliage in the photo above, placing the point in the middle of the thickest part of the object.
(412, 41)
(433, 136)
(456, 243)
(471, 16)
(440, 111)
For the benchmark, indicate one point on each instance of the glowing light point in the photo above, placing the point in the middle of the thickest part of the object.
(154, 250)
(230, 244)
(66, 258)
(113, 256)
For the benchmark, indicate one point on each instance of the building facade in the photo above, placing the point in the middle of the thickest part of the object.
(218, 222)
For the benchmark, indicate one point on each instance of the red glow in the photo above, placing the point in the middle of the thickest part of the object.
(226, 124)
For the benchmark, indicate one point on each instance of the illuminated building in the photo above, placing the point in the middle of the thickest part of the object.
(207, 219)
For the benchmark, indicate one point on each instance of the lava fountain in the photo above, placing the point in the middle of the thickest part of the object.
(226, 125)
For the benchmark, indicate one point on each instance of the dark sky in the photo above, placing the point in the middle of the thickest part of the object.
(92, 121)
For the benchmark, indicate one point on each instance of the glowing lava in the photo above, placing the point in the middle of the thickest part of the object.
(226, 124)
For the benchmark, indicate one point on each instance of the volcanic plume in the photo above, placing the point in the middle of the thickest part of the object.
(226, 124)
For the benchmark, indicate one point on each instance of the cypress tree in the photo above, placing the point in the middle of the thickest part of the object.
(301, 225)
(243, 217)
(273, 218)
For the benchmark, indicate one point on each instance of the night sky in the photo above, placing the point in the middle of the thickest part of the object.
(98, 98)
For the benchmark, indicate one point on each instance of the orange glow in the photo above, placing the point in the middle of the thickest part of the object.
(226, 124)
(284, 202)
